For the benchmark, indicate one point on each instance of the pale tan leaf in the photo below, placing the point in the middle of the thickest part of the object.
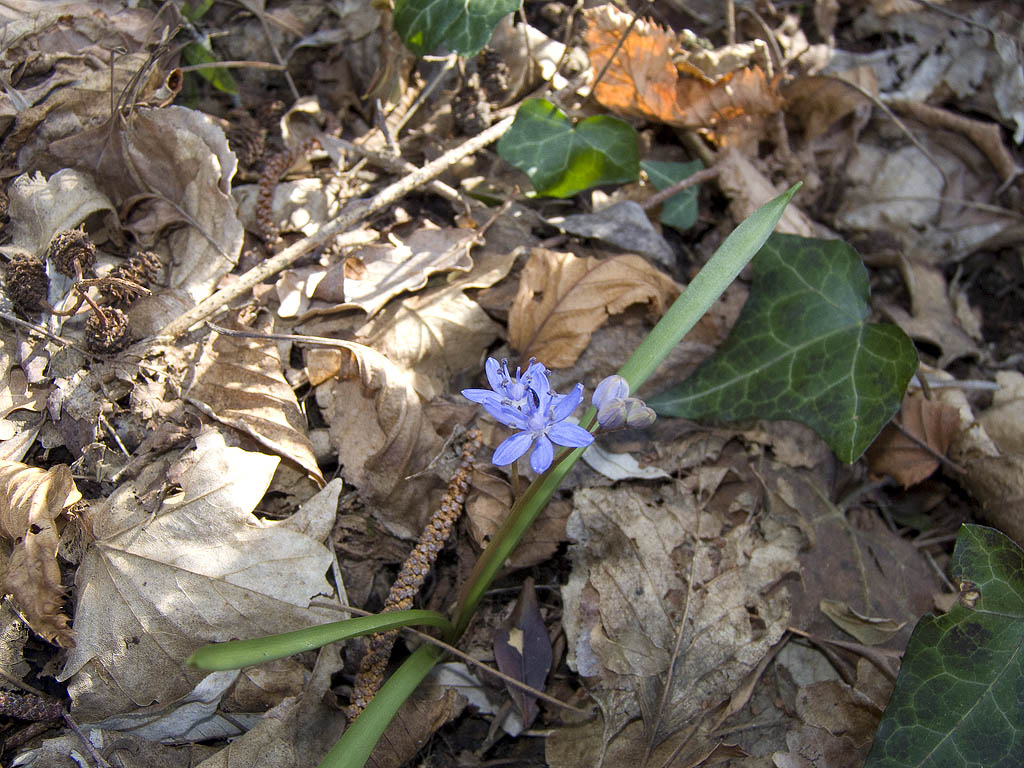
(374, 274)
(749, 189)
(239, 382)
(870, 630)
(166, 575)
(439, 333)
(31, 500)
(563, 299)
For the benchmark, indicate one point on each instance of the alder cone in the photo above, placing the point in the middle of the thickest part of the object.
(70, 248)
(141, 270)
(107, 335)
(26, 284)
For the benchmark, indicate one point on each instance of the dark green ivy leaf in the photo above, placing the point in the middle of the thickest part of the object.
(562, 159)
(680, 210)
(959, 699)
(802, 350)
(462, 26)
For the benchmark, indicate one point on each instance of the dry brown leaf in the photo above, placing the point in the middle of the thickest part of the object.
(239, 382)
(31, 500)
(382, 436)
(487, 507)
(646, 81)
(166, 575)
(749, 189)
(932, 422)
(648, 559)
(562, 299)
(820, 101)
(374, 274)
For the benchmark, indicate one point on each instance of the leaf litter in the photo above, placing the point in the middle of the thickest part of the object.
(724, 593)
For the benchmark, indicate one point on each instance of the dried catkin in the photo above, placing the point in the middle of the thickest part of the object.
(276, 167)
(411, 577)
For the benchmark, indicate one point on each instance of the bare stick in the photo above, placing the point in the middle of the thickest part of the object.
(690, 181)
(345, 220)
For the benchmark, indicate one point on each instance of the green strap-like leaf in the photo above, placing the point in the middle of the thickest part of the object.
(959, 698)
(802, 350)
(462, 26)
(242, 653)
(561, 159)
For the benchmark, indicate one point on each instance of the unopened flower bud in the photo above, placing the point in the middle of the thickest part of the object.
(612, 387)
(612, 413)
(638, 415)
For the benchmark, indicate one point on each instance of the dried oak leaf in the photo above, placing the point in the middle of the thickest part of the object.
(239, 382)
(563, 299)
(933, 423)
(31, 500)
(645, 80)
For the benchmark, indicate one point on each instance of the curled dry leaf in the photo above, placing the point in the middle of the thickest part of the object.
(893, 453)
(239, 382)
(31, 500)
(646, 80)
(378, 427)
(563, 299)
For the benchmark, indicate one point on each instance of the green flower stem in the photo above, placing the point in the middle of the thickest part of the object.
(356, 744)
(703, 291)
(242, 653)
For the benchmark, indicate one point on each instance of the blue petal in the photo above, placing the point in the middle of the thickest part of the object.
(570, 435)
(567, 404)
(480, 396)
(542, 455)
(512, 448)
(510, 417)
(493, 370)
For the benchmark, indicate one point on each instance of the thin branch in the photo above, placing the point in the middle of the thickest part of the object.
(690, 181)
(350, 216)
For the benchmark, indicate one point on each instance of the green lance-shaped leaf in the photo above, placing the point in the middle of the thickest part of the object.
(802, 350)
(463, 26)
(959, 698)
(680, 210)
(242, 653)
(562, 159)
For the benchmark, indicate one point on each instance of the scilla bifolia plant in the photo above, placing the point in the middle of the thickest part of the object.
(525, 402)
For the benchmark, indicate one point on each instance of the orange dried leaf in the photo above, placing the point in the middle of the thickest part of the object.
(31, 500)
(932, 422)
(645, 81)
(563, 299)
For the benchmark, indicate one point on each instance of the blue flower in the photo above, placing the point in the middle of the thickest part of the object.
(508, 391)
(616, 409)
(543, 424)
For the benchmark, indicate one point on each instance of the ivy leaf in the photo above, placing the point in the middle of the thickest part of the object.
(680, 210)
(958, 698)
(801, 350)
(562, 159)
(463, 26)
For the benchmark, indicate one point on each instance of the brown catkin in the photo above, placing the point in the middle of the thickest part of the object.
(411, 577)
(276, 167)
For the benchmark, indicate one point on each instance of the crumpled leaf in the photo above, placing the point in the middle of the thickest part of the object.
(378, 427)
(932, 422)
(41, 207)
(619, 466)
(522, 650)
(31, 500)
(624, 225)
(870, 630)
(957, 699)
(634, 580)
(372, 275)
(645, 81)
(802, 350)
(163, 577)
(239, 382)
(438, 333)
(562, 159)
(176, 161)
(562, 299)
